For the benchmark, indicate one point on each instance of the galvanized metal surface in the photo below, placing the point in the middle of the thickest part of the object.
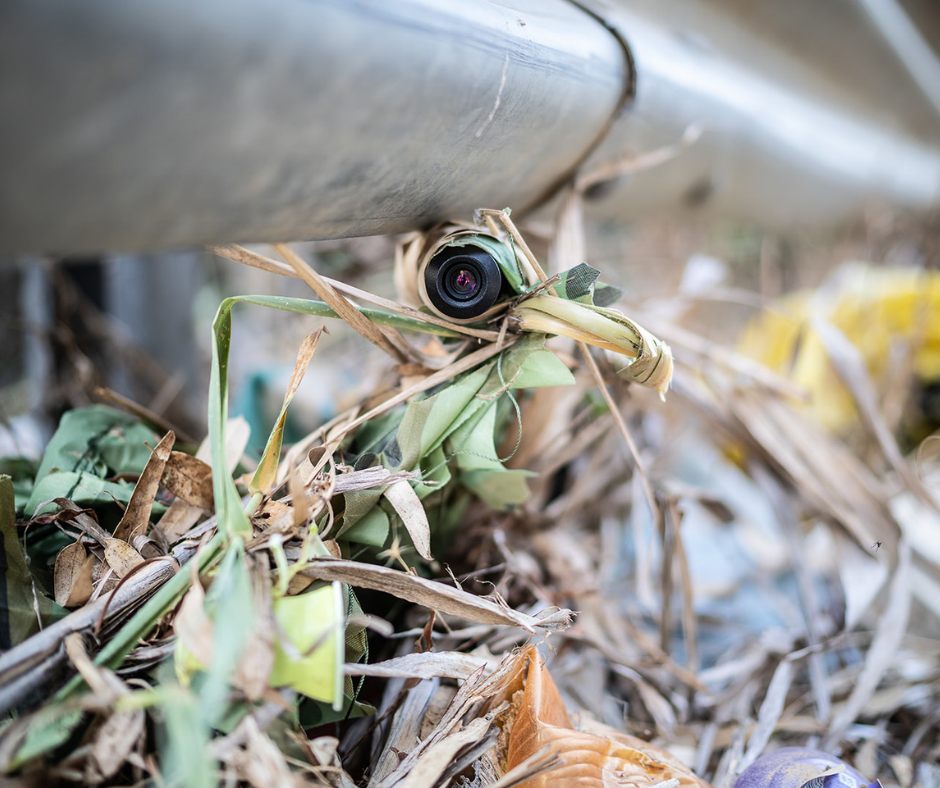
(782, 145)
(131, 125)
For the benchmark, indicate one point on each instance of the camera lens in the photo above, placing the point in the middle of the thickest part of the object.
(462, 282)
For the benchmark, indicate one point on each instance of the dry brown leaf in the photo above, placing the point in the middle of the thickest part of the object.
(436, 596)
(889, 635)
(193, 627)
(300, 503)
(147, 547)
(274, 517)
(136, 517)
(72, 582)
(405, 502)
(425, 665)
(189, 478)
(848, 364)
(261, 764)
(115, 741)
(339, 304)
(405, 732)
(121, 557)
(539, 718)
(480, 687)
(181, 516)
(435, 760)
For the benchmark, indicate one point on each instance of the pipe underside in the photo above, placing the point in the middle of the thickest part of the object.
(131, 125)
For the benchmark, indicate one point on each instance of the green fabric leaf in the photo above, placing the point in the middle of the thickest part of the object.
(314, 714)
(542, 368)
(85, 489)
(371, 529)
(427, 422)
(22, 605)
(500, 489)
(605, 295)
(581, 284)
(524, 364)
(23, 471)
(434, 472)
(577, 283)
(312, 660)
(357, 505)
(98, 440)
(473, 445)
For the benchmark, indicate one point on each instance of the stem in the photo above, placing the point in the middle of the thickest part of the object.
(126, 638)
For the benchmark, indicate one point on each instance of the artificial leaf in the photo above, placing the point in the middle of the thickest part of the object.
(577, 284)
(78, 486)
(100, 440)
(24, 605)
(499, 489)
(473, 444)
(357, 504)
(309, 655)
(23, 471)
(434, 473)
(428, 421)
(540, 369)
(371, 529)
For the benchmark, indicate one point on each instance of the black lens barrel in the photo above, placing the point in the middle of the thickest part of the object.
(462, 282)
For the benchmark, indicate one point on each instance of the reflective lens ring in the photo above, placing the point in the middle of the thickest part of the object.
(462, 282)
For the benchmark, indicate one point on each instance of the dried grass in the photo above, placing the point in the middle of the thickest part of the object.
(740, 579)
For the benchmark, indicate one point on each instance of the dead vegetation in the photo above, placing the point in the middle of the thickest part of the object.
(377, 603)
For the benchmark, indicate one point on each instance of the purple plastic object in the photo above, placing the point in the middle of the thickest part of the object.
(798, 767)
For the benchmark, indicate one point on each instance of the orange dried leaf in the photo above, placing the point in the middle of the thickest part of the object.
(539, 719)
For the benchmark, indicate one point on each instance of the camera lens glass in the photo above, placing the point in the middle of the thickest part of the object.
(462, 282)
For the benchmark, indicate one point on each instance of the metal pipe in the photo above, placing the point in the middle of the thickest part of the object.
(776, 146)
(131, 125)
(907, 43)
